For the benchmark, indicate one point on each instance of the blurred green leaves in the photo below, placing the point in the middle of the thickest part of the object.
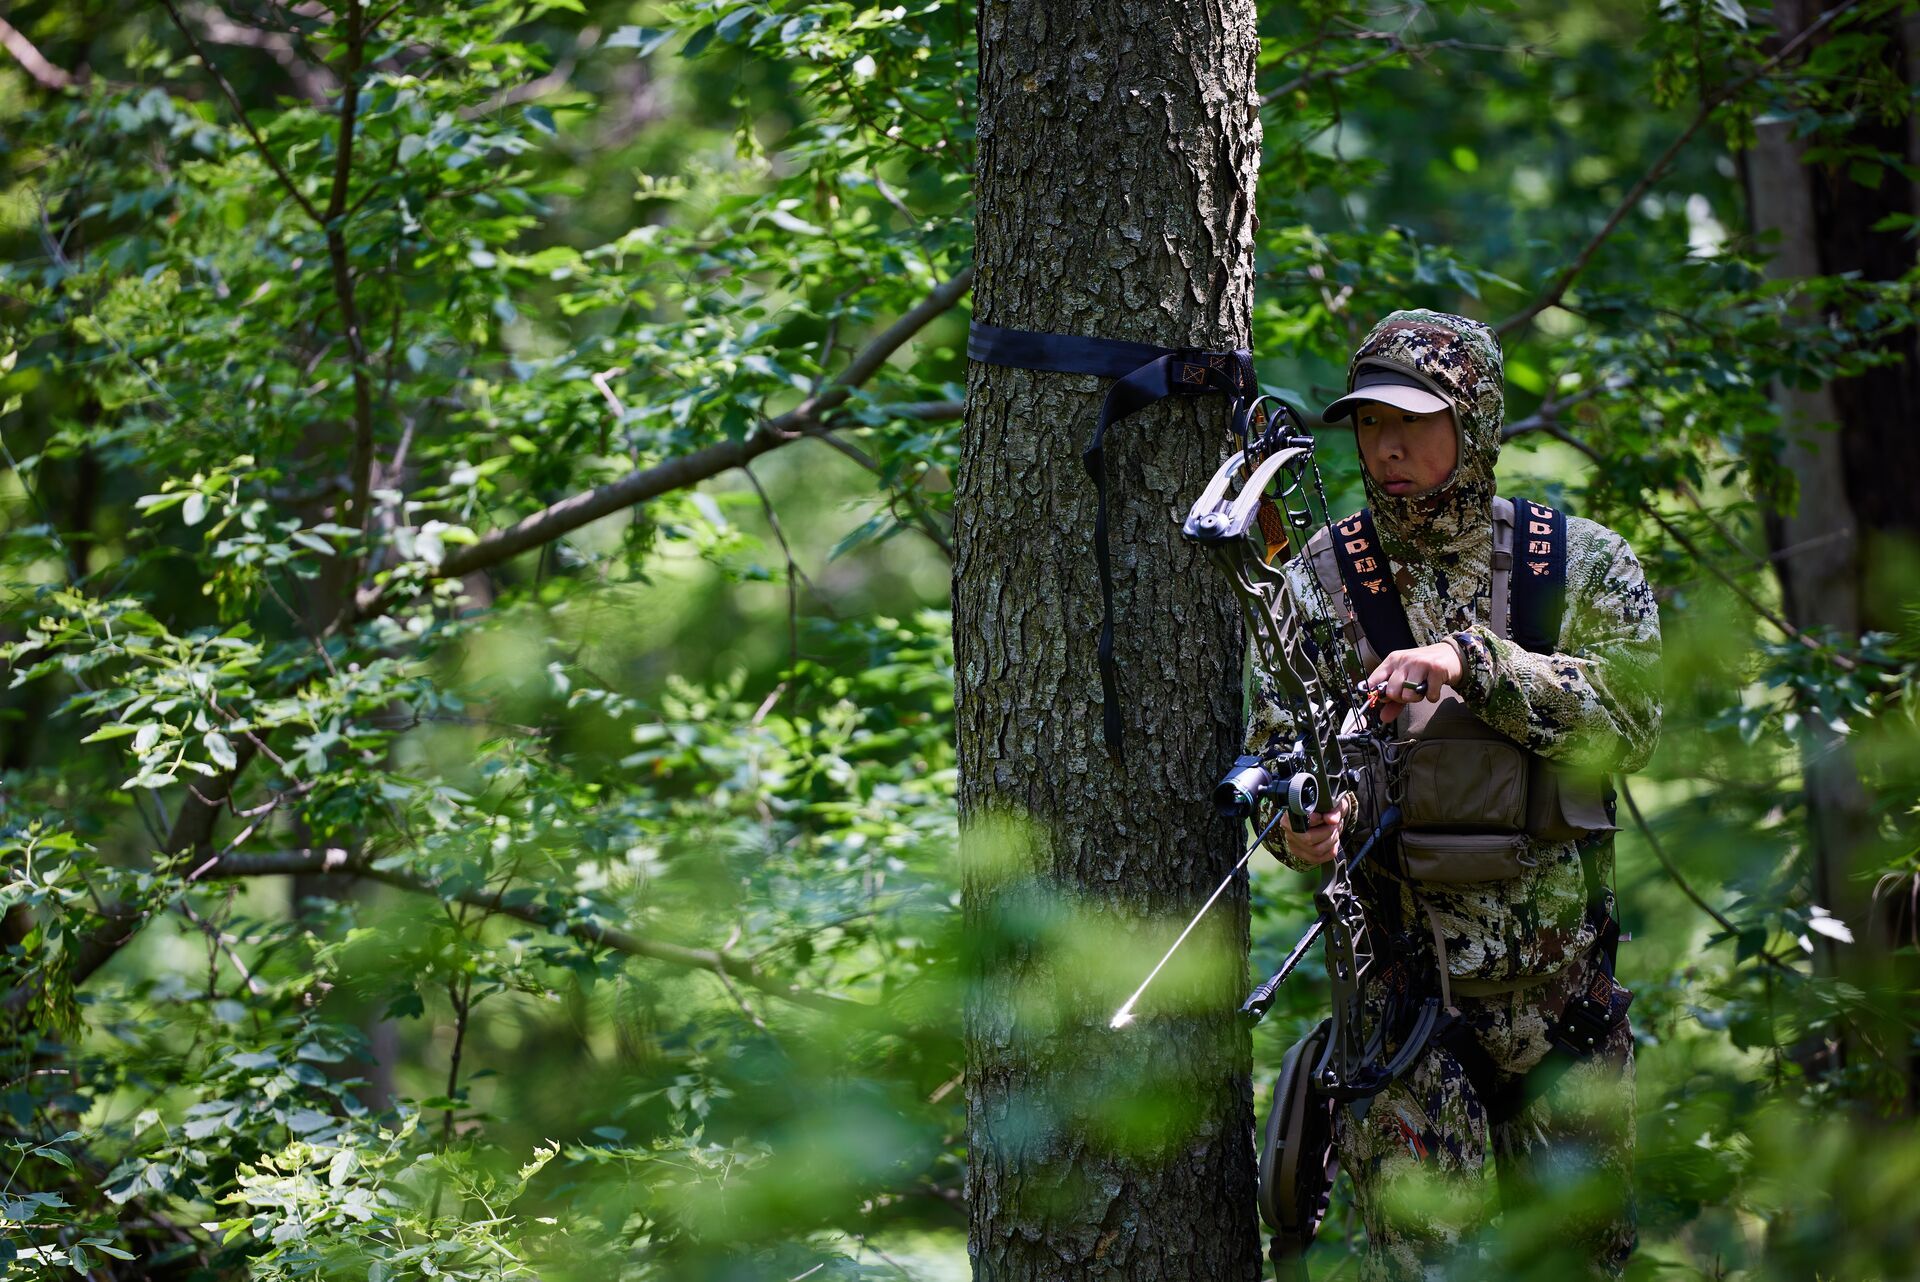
(597, 842)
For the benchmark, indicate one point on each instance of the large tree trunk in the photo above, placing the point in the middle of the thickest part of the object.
(1119, 145)
(1851, 539)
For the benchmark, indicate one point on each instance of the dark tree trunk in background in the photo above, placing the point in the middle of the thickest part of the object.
(1119, 145)
(1852, 546)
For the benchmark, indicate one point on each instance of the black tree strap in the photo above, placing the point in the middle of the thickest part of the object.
(1145, 374)
(1371, 592)
(1539, 585)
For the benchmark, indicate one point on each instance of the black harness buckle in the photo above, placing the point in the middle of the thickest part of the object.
(1588, 1017)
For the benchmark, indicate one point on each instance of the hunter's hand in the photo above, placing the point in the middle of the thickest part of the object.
(1402, 671)
(1322, 837)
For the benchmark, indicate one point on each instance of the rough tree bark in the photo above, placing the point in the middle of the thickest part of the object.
(1855, 532)
(1119, 144)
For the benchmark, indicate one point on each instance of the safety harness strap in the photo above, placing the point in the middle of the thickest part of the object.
(1529, 577)
(1499, 613)
(1539, 575)
(1145, 374)
(1367, 576)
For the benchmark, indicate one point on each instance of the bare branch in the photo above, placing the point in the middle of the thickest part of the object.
(278, 45)
(1843, 660)
(1547, 417)
(222, 942)
(1686, 888)
(810, 418)
(336, 862)
(344, 287)
(794, 573)
(927, 411)
(1394, 49)
(233, 100)
(44, 73)
(538, 88)
(1710, 104)
(922, 519)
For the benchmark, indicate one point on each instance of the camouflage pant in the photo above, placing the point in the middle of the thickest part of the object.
(1418, 1156)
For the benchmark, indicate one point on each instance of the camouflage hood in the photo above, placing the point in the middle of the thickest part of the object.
(1462, 357)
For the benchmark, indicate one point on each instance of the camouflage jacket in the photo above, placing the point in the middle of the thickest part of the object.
(1594, 701)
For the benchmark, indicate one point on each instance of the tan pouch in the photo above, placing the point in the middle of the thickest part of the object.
(1460, 772)
(1465, 784)
(1564, 806)
(1456, 857)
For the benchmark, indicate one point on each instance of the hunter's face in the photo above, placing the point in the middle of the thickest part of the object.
(1407, 454)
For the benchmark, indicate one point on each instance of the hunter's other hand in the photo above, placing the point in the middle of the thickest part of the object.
(1322, 837)
(1401, 673)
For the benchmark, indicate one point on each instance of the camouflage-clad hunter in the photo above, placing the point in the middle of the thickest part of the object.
(1516, 948)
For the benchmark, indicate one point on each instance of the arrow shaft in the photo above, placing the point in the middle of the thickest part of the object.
(1125, 1012)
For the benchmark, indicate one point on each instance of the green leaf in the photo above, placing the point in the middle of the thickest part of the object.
(310, 540)
(698, 41)
(219, 751)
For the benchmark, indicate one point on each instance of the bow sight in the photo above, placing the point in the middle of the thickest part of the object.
(1238, 795)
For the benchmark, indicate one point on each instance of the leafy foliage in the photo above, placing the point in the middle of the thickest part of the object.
(477, 803)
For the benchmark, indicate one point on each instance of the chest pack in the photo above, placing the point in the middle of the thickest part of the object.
(1472, 797)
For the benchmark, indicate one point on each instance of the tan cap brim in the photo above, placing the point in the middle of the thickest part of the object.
(1386, 386)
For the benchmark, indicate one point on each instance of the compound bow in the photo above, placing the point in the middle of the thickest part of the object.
(1382, 1015)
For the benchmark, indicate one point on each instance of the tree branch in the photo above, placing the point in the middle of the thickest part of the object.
(1547, 417)
(233, 100)
(336, 862)
(1686, 888)
(1710, 104)
(927, 411)
(1396, 46)
(192, 831)
(361, 470)
(1845, 661)
(809, 418)
(278, 45)
(922, 520)
(44, 73)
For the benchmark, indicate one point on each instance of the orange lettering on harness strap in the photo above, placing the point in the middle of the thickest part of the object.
(1365, 565)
